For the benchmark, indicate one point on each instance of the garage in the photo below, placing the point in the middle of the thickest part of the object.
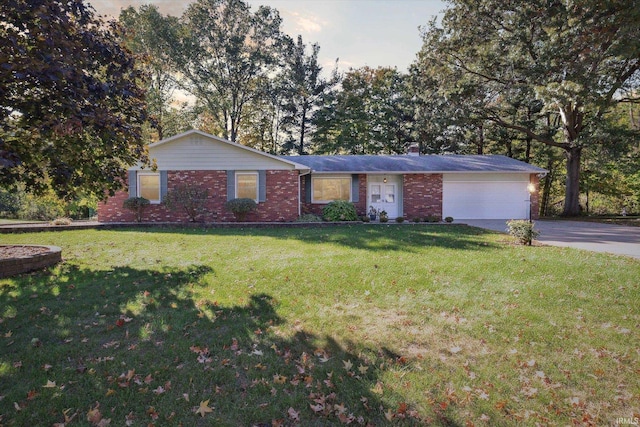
(485, 195)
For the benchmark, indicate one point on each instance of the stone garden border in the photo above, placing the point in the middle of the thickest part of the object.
(25, 263)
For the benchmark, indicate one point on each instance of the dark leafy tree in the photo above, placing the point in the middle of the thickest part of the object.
(371, 114)
(71, 105)
(303, 88)
(568, 62)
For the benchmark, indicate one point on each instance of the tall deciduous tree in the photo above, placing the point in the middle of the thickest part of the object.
(146, 33)
(71, 107)
(572, 60)
(224, 53)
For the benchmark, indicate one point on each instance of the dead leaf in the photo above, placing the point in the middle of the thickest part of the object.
(204, 408)
(347, 364)
(293, 414)
(279, 379)
(50, 384)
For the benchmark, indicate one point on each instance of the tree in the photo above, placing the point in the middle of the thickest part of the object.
(71, 107)
(224, 54)
(303, 88)
(146, 32)
(567, 62)
(371, 114)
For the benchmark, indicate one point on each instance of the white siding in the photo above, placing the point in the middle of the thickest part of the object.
(485, 196)
(197, 152)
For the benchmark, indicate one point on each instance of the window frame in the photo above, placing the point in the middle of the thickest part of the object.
(139, 186)
(348, 178)
(252, 173)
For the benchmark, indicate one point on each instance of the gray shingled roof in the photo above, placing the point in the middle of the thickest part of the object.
(413, 164)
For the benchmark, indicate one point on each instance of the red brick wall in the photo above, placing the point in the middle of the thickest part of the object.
(535, 197)
(281, 202)
(422, 195)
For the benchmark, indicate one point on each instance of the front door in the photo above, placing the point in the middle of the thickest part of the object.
(383, 197)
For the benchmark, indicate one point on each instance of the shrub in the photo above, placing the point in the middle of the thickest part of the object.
(188, 197)
(61, 221)
(241, 207)
(309, 218)
(400, 220)
(449, 219)
(416, 219)
(522, 230)
(432, 218)
(137, 205)
(365, 218)
(340, 210)
(384, 216)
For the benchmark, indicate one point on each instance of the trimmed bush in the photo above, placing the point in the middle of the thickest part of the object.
(522, 230)
(432, 218)
(137, 205)
(188, 197)
(400, 220)
(61, 221)
(241, 207)
(448, 219)
(340, 210)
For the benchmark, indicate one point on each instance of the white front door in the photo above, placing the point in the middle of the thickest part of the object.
(383, 197)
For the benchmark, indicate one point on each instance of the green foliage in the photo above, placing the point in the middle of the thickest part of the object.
(416, 219)
(432, 218)
(399, 219)
(448, 219)
(71, 109)
(44, 207)
(384, 217)
(340, 210)
(190, 198)
(372, 114)
(241, 207)
(62, 221)
(137, 205)
(11, 201)
(559, 70)
(522, 230)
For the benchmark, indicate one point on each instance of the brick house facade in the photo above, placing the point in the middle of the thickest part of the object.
(407, 185)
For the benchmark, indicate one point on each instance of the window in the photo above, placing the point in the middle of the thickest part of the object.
(149, 186)
(326, 189)
(247, 186)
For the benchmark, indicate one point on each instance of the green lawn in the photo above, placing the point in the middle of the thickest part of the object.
(367, 325)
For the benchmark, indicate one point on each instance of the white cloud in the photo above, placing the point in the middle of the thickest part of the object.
(307, 24)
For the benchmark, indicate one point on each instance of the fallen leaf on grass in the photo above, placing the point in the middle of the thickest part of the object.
(293, 414)
(204, 408)
(50, 384)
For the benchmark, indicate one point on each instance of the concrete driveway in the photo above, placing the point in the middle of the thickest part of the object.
(591, 236)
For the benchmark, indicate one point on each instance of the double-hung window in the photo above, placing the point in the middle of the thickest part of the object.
(327, 188)
(149, 186)
(247, 185)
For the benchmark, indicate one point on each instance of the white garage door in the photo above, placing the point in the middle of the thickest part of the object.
(485, 196)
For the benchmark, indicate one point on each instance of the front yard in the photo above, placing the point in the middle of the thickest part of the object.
(361, 325)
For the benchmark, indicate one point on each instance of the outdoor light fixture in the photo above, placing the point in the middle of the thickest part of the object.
(384, 179)
(531, 188)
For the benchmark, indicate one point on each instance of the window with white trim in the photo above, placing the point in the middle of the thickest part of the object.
(247, 185)
(149, 186)
(328, 188)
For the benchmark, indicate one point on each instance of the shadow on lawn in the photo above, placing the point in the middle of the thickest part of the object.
(405, 237)
(144, 346)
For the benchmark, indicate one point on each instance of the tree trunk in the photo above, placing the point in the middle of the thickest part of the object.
(546, 192)
(572, 190)
(481, 139)
(302, 128)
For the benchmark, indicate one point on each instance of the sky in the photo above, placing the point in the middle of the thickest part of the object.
(374, 33)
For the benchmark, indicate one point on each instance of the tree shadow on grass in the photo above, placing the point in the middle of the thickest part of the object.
(396, 237)
(145, 346)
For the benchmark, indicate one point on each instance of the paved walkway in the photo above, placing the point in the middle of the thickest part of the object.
(592, 236)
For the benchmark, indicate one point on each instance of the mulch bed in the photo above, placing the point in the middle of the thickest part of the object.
(18, 251)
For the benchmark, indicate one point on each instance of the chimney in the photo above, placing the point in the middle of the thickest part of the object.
(414, 149)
